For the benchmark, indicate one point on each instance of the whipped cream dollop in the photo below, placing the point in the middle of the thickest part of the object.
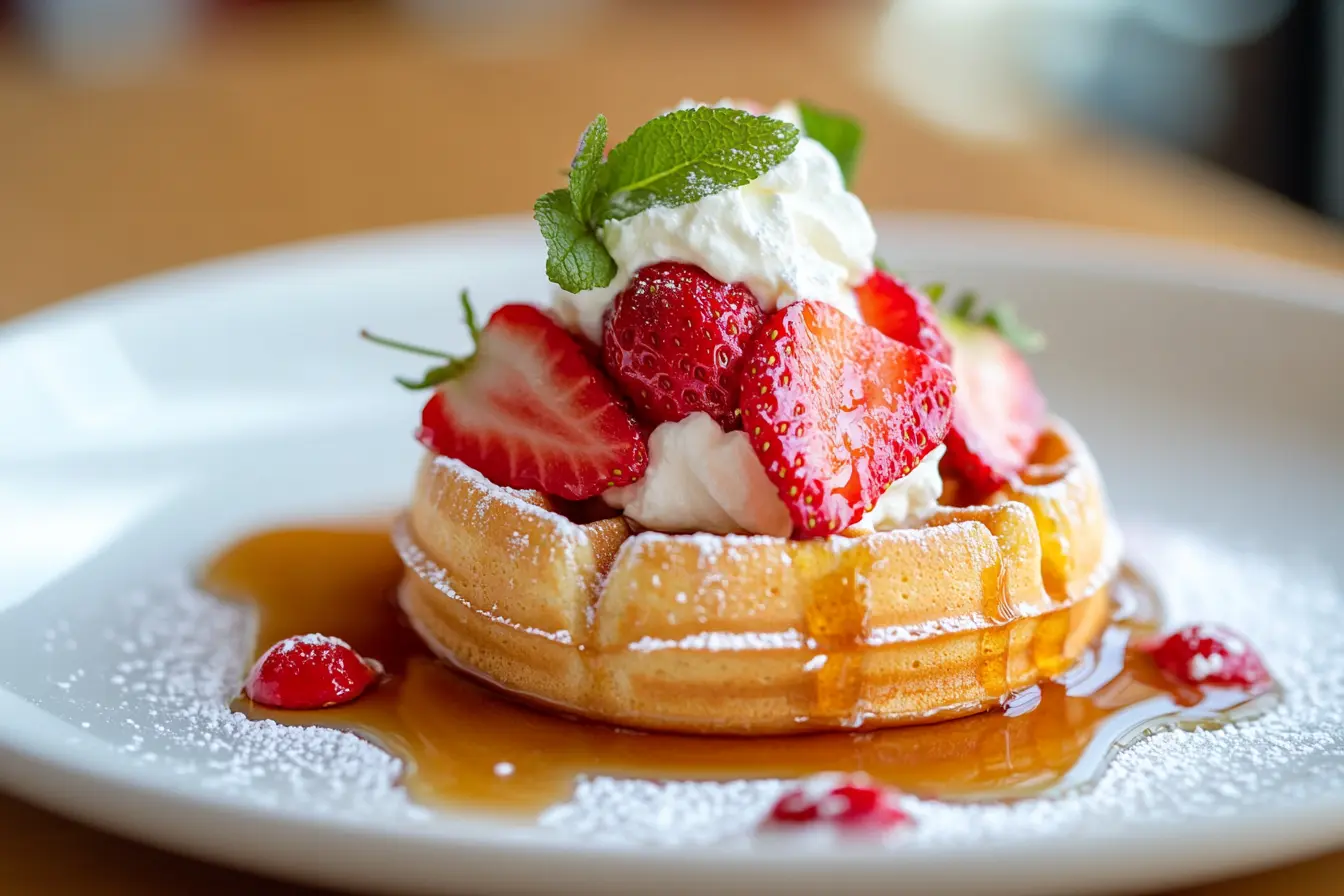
(793, 233)
(702, 479)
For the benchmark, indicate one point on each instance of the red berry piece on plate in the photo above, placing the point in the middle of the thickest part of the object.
(1210, 655)
(794, 807)
(837, 412)
(309, 672)
(674, 338)
(854, 802)
(998, 412)
(529, 409)
(902, 313)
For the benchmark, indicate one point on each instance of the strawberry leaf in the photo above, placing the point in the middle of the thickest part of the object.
(837, 132)
(575, 258)
(1000, 318)
(686, 155)
(441, 373)
(586, 169)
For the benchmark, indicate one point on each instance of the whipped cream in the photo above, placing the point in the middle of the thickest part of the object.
(793, 233)
(702, 479)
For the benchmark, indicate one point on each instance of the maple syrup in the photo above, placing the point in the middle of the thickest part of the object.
(464, 743)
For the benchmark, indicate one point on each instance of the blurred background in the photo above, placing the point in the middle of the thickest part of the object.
(140, 134)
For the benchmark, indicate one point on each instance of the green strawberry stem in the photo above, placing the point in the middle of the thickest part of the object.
(444, 372)
(1000, 318)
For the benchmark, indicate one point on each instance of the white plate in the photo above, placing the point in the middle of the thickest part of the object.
(142, 428)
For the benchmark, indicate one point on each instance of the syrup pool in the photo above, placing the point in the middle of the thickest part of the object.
(463, 743)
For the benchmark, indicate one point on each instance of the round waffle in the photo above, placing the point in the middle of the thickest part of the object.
(759, 635)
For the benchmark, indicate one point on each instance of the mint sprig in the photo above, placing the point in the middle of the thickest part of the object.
(837, 132)
(575, 257)
(1001, 318)
(673, 160)
(686, 155)
(585, 172)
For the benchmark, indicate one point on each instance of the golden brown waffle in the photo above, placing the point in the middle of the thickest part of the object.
(756, 635)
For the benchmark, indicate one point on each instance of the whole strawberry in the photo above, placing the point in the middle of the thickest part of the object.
(903, 313)
(837, 412)
(674, 338)
(529, 409)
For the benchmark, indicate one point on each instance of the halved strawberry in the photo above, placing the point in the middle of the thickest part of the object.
(309, 672)
(837, 412)
(529, 409)
(998, 413)
(903, 313)
(673, 340)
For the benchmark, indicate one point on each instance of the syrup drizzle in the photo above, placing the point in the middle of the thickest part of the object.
(466, 744)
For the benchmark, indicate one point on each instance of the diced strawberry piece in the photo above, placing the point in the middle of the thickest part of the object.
(853, 802)
(794, 807)
(673, 340)
(998, 413)
(309, 672)
(836, 412)
(530, 409)
(862, 805)
(1211, 655)
(902, 313)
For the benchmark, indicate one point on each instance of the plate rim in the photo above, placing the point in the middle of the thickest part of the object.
(29, 760)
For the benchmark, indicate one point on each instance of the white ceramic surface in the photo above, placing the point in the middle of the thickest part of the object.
(143, 427)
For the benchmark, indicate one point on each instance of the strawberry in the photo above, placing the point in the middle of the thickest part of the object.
(998, 413)
(1210, 655)
(903, 313)
(673, 340)
(309, 672)
(836, 412)
(850, 802)
(529, 409)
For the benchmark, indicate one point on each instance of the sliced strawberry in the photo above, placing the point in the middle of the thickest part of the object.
(998, 412)
(903, 313)
(529, 409)
(673, 340)
(309, 672)
(836, 412)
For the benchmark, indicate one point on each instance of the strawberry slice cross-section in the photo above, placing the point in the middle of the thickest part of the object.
(529, 409)
(837, 412)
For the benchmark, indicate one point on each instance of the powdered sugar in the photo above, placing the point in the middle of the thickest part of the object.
(170, 658)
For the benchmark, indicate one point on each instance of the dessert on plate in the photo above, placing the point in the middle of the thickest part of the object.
(738, 477)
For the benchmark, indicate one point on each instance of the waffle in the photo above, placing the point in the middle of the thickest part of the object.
(759, 635)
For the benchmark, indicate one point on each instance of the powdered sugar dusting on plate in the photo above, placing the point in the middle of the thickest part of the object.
(175, 657)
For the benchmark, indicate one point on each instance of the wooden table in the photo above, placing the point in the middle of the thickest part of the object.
(289, 124)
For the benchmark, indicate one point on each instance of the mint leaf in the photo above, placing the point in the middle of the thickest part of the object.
(686, 155)
(839, 133)
(575, 258)
(586, 169)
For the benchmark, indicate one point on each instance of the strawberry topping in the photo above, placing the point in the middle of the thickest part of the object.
(837, 412)
(529, 409)
(673, 340)
(902, 313)
(309, 672)
(998, 412)
(1210, 655)
(845, 802)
